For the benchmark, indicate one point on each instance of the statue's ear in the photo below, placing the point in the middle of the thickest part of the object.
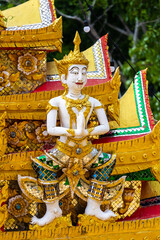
(63, 80)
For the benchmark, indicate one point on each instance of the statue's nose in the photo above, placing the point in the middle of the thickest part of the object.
(80, 76)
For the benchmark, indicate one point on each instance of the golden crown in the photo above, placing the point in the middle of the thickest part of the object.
(74, 57)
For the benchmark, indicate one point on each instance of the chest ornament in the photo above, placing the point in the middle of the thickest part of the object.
(79, 104)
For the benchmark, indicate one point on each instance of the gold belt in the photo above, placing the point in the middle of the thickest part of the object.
(78, 151)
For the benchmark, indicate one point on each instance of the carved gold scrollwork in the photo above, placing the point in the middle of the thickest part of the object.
(3, 137)
(129, 202)
(3, 199)
(115, 82)
(128, 196)
(2, 21)
(155, 135)
(113, 111)
(156, 171)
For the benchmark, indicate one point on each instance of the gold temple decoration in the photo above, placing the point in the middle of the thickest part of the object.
(34, 38)
(125, 162)
(74, 172)
(3, 137)
(129, 202)
(2, 21)
(141, 229)
(71, 151)
(3, 199)
(18, 107)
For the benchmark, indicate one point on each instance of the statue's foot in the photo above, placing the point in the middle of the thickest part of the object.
(93, 209)
(52, 211)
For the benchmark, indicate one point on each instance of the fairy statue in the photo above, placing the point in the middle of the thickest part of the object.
(73, 153)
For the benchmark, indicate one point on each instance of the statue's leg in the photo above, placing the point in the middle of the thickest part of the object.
(96, 191)
(52, 206)
(48, 178)
(94, 201)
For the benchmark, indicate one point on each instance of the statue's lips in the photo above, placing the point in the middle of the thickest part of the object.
(79, 83)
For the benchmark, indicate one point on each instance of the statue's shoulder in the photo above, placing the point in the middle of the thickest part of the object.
(95, 102)
(55, 101)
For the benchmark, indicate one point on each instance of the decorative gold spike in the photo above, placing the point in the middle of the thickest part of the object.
(77, 42)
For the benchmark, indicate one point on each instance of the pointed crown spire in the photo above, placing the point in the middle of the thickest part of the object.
(74, 57)
(77, 42)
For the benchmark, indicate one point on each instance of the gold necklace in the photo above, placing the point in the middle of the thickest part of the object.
(79, 104)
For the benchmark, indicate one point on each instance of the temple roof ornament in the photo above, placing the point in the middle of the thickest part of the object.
(2, 21)
(44, 32)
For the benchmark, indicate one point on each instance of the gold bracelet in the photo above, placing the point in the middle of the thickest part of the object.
(90, 130)
(98, 107)
(71, 131)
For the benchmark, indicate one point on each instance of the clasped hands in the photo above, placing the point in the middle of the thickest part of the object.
(81, 131)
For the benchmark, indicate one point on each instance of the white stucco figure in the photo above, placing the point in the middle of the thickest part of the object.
(73, 151)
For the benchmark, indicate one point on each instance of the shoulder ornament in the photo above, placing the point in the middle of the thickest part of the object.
(50, 107)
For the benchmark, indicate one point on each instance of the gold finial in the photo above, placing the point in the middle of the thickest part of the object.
(74, 57)
(77, 42)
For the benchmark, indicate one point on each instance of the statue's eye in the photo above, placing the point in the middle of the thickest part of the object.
(74, 72)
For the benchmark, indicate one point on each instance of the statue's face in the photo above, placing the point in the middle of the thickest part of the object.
(77, 77)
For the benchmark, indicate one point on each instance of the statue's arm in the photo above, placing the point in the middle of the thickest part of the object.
(103, 126)
(52, 129)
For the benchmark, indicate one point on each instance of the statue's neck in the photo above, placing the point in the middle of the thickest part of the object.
(74, 95)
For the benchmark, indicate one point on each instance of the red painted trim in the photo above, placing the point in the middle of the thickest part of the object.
(148, 108)
(144, 213)
(106, 56)
(56, 85)
(2, 229)
(49, 86)
(52, 12)
(109, 139)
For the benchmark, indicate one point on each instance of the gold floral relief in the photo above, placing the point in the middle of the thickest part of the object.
(27, 136)
(21, 71)
(6, 78)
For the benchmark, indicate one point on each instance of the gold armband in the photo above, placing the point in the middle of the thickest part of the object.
(90, 130)
(50, 107)
(71, 131)
(98, 107)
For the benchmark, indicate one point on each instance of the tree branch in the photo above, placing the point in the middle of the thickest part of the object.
(118, 29)
(156, 20)
(83, 11)
(125, 25)
(135, 35)
(89, 12)
(105, 11)
(69, 16)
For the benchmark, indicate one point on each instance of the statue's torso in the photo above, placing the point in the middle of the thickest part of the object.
(68, 110)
